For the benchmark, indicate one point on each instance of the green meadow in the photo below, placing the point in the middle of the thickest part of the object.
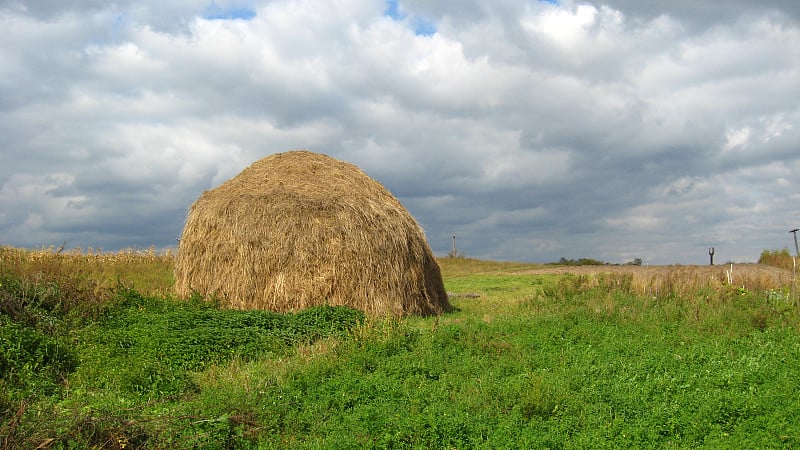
(95, 352)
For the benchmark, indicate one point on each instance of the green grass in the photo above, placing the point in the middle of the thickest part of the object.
(535, 361)
(150, 346)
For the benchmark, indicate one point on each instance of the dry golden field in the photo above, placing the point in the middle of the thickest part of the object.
(678, 278)
(150, 271)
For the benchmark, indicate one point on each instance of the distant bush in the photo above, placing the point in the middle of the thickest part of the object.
(580, 262)
(777, 258)
(593, 262)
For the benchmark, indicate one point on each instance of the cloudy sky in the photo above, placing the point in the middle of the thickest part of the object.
(531, 130)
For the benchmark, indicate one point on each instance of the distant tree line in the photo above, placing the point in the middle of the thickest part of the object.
(593, 262)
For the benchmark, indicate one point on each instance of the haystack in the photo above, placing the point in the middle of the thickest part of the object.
(298, 229)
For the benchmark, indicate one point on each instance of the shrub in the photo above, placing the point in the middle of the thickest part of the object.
(777, 258)
(580, 262)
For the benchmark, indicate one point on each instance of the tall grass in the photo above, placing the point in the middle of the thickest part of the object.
(680, 281)
(149, 271)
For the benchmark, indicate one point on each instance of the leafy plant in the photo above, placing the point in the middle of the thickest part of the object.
(150, 346)
(32, 363)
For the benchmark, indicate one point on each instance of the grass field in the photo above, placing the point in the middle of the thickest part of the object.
(95, 353)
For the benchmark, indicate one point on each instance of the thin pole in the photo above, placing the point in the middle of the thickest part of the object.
(453, 252)
(794, 266)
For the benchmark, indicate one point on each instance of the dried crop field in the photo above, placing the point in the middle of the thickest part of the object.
(748, 271)
(655, 279)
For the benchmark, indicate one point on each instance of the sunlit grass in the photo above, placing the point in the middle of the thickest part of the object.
(674, 358)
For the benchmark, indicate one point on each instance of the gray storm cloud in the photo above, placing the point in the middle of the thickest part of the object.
(531, 130)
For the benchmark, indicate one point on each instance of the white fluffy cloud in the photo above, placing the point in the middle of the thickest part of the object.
(531, 130)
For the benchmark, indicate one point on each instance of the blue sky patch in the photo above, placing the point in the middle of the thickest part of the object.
(215, 12)
(424, 27)
(420, 25)
(393, 10)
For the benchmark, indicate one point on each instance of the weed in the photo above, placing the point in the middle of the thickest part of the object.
(32, 362)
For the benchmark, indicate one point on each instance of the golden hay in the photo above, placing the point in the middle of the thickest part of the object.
(298, 229)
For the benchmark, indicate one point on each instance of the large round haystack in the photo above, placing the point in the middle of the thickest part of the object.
(299, 229)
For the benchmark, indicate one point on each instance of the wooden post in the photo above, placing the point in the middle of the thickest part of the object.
(794, 266)
(794, 281)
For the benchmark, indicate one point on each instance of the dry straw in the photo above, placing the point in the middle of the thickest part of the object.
(298, 229)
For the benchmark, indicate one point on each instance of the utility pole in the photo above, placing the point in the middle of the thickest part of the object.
(711, 254)
(794, 266)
